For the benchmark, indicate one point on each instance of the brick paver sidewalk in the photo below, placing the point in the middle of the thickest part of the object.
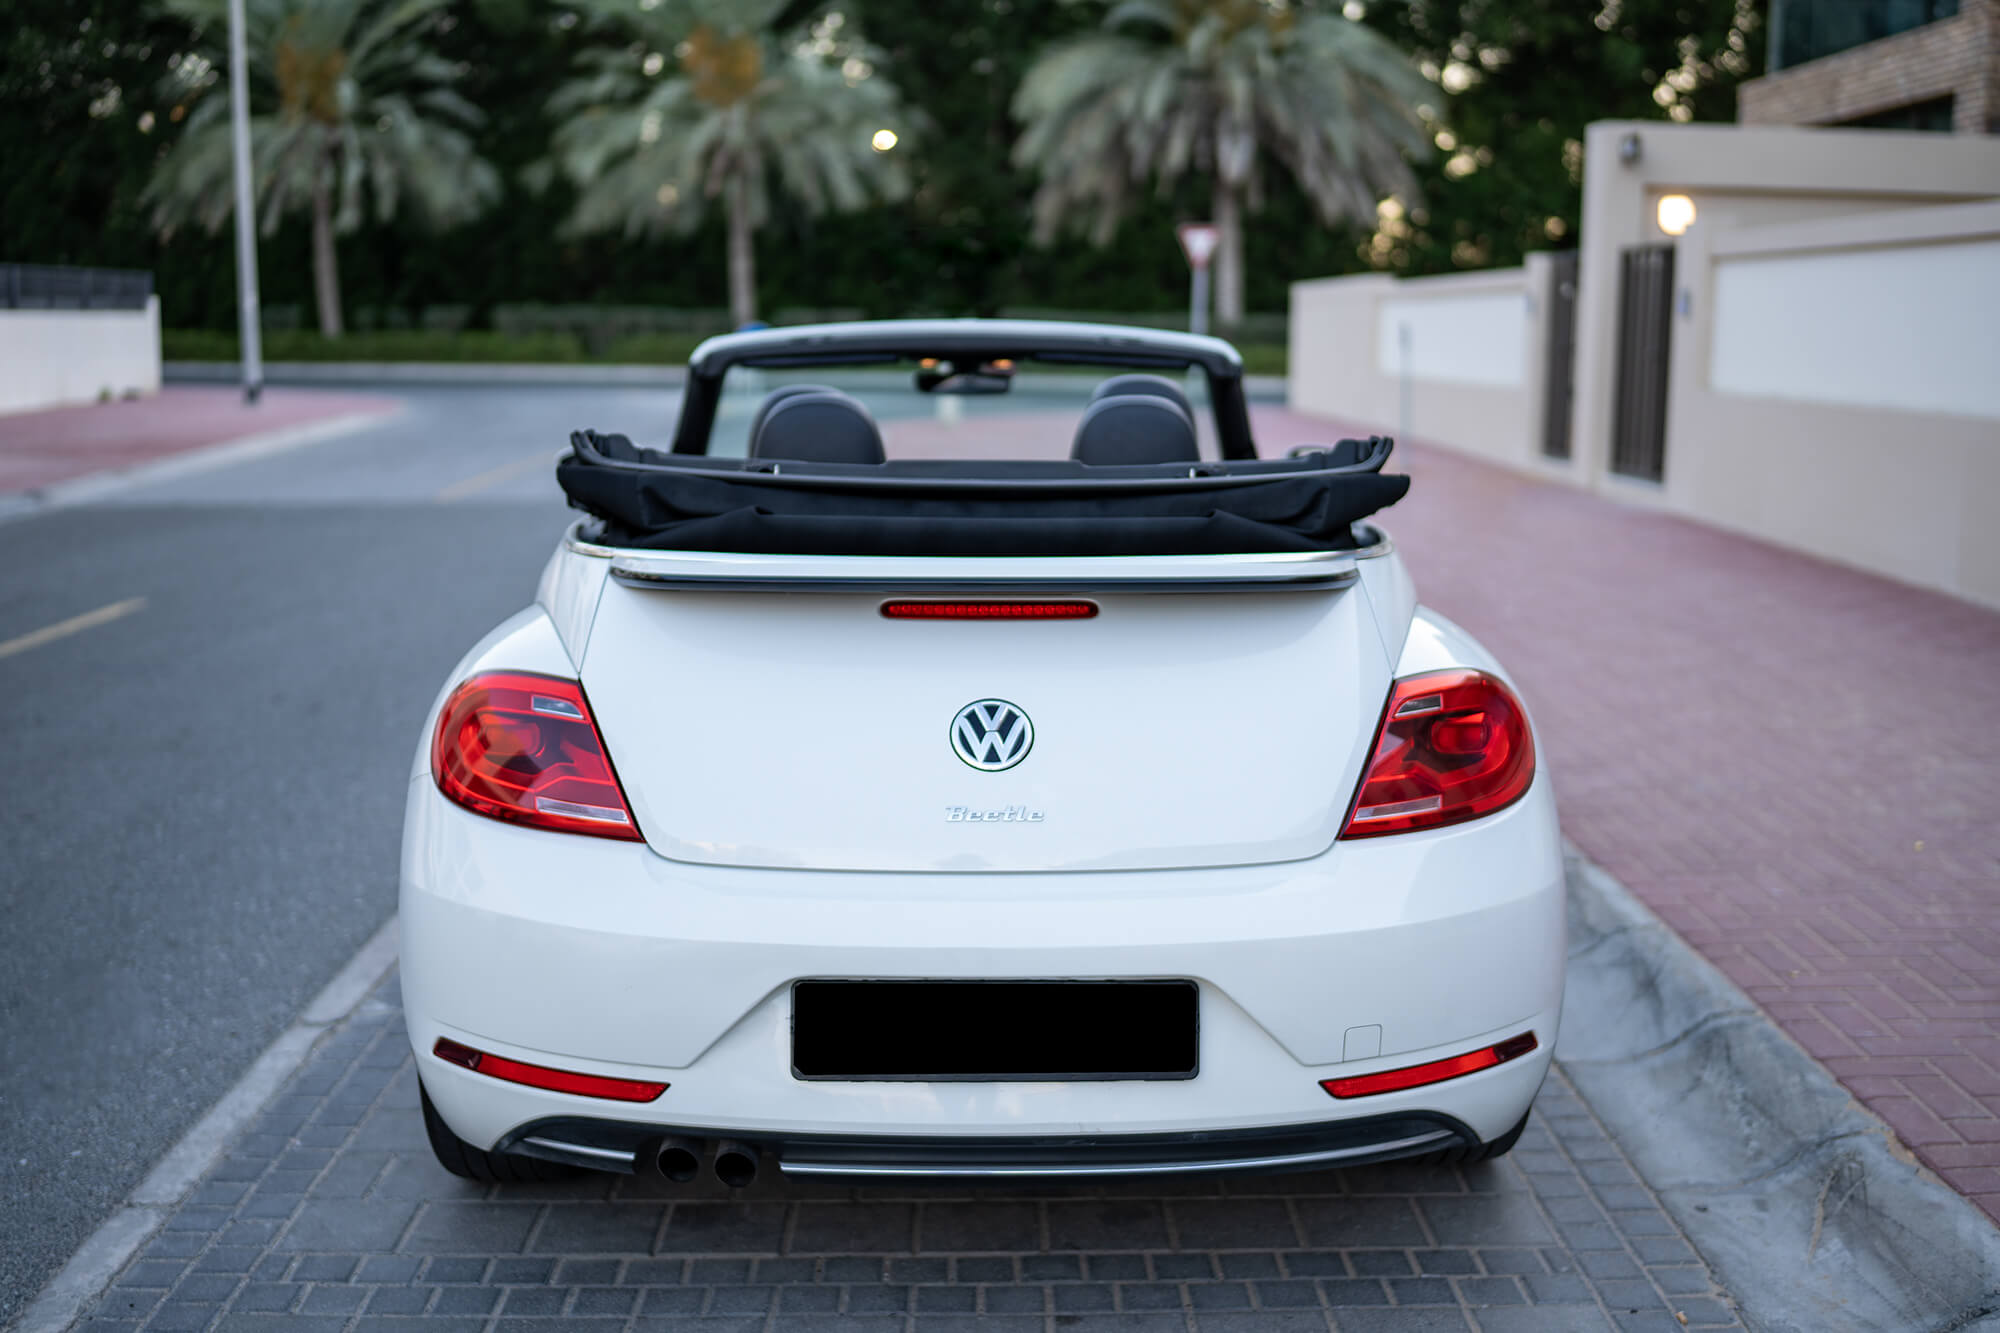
(330, 1216)
(1793, 763)
(39, 449)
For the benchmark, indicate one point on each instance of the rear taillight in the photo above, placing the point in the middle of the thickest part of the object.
(541, 1076)
(1437, 1071)
(1454, 745)
(523, 748)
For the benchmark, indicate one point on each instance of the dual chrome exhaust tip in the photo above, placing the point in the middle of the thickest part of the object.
(679, 1160)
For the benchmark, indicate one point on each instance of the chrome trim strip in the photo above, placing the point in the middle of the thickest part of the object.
(609, 1156)
(1315, 581)
(948, 1171)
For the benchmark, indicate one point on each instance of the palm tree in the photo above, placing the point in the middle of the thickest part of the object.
(1170, 87)
(710, 103)
(347, 102)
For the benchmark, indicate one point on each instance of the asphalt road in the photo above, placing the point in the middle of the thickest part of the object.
(202, 794)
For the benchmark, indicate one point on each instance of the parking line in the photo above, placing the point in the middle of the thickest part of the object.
(458, 490)
(62, 629)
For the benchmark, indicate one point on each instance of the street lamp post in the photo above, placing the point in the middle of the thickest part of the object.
(246, 220)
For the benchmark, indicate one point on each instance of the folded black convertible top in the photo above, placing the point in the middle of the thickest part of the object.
(659, 501)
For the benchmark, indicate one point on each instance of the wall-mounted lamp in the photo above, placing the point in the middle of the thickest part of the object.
(1675, 213)
(1628, 149)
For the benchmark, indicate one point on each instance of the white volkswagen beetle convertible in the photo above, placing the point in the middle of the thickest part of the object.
(1111, 812)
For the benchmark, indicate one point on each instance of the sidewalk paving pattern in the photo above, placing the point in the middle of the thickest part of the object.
(1786, 759)
(330, 1214)
(39, 449)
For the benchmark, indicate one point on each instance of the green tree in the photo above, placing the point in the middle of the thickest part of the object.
(709, 102)
(1214, 87)
(349, 101)
(1524, 79)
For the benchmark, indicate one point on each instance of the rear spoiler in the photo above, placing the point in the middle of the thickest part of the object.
(1038, 576)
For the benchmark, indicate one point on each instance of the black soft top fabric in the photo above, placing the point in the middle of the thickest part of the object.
(660, 501)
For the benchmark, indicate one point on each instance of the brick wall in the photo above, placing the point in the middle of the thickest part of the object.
(1956, 57)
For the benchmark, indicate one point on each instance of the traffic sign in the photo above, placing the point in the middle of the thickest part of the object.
(1198, 242)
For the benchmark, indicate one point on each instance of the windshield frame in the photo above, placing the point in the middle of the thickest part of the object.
(881, 342)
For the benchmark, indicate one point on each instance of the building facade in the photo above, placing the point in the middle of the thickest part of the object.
(1886, 64)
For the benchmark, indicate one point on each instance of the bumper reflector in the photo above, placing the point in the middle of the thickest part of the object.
(1437, 1071)
(539, 1076)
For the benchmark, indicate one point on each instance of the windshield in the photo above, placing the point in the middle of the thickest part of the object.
(1036, 418)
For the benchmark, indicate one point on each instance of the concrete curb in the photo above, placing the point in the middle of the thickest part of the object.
(427, 372)
(114, 1243)
(97, 485)
(1809, 1210)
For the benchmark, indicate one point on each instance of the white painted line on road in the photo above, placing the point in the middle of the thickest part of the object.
(458, 490)
(89, 1270)
(62, 629)
(98, 485)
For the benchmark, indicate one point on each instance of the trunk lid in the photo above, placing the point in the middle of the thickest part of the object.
(806, 730)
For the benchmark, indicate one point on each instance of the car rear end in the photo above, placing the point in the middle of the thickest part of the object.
(1097, 865)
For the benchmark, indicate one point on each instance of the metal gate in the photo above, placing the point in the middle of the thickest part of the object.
(1645, 328)
(1559, 379)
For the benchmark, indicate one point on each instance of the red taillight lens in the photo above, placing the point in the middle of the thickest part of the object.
(541, 1076)
(1454, 745)
(1437, 1071)
(989, 610)
(523, 748)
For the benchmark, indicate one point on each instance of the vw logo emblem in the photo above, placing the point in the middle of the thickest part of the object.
(992, 735)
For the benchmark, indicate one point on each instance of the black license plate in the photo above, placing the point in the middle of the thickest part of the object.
(995, 1031)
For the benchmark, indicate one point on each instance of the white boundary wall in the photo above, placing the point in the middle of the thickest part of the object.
(1473, 345)
(52, 357)
(1842, 396)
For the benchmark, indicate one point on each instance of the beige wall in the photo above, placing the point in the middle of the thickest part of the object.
(52, 357)
(1846, 403)
(1475, 356)
(1845, 407)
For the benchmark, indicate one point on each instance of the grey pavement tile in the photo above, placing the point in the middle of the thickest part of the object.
(1107, 1224)
(1354, 1291)
(948, 1300)
(719, 1272)
(1445, 1263)
(742, 1300)
(1125, 1323)
(586, 1272)
(1422, 1291)
(724, 1228)
(920, 1270)
(346, 1224)
(845, 1228)
(331, 1299)
(1511, 1261)
(1485, 1220)
(267, 1297)
(1263, 1321)
(1286, 1294)
(1073, 1297)
(790, 1270)
(1219, 1295)
(176, 1317)
(1233, 1224)
(1000, 1268)
(207, 1287)
(1031, 1300)
(1702, 1312)
(976, 1226)
(1170, 1267)
(469, 1300)
(597, 1229)
(672, 1300)
(1422, 1319)
(1252, 1264)
(1378, 1263)
(486, 1226)
(388, 1268)
(1490, 1291)
(798, 1298)
(1543, 1319)
(515, 1272)
(279, 1323)
(1146, 1296)
(1346, 1223)
(878, 1299)
(1558, 1289)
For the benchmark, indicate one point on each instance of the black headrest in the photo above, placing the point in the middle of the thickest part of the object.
(816, 426)
(1155, 386)
(1135, 428)
(778, 395)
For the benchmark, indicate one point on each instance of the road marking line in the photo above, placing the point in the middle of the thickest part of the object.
(62, 629)
(458, 490)
(99, 1259)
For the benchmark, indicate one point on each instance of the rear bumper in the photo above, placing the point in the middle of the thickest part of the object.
(602, 957)
(626, 1146)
